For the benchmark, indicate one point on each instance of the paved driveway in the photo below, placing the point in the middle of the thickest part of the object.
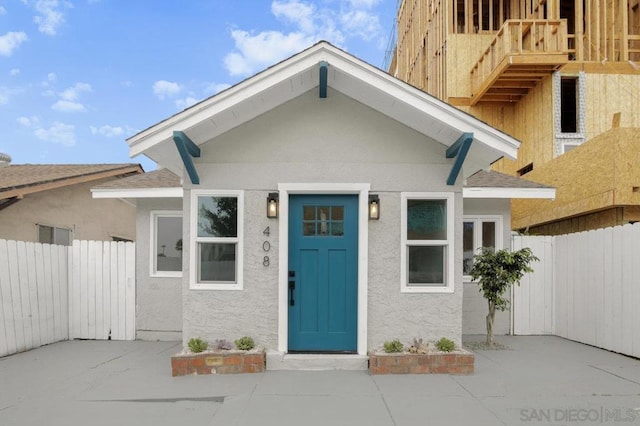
(538, 381)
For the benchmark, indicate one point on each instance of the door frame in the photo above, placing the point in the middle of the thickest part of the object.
(286, 189)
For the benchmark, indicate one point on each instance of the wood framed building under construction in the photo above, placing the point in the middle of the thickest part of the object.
(563, 77)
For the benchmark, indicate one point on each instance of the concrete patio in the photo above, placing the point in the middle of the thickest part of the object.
(538, 380)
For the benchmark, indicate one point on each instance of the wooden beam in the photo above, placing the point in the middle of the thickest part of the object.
(187, 149)
(459, 150)
(323, 79)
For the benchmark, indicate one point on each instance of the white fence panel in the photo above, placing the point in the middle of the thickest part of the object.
(595, 288)
(533, 299)
(102, 290)
(30, 307)
(51, 293)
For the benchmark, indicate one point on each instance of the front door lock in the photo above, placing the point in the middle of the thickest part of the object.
(292, 287)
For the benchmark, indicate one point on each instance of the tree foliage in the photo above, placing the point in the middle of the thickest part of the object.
(495, 272)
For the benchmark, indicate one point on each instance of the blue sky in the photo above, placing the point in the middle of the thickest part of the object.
(79, 77)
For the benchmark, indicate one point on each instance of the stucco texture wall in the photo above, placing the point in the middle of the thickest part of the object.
(158, 299)
(71, 207)
(332, 140)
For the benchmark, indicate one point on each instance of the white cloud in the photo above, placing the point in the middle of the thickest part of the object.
(64, 134)
(69, 97)
(362, 23)
(14, 71)
(310, 22)
(127, 83)
(32, 121)
(4, 95)
(263, 49)
(73, 93)
(3, 11)
(164, 88)
(186, 102)
(108, 131)
(67, 106)
(52, 76)
(365, 4)
(11, 41)
(50, 14)
(295, 12)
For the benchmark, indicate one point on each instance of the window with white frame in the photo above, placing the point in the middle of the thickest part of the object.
(478, 232)
(427, 242)
(166, 244)
(53, 235)
(217, 234)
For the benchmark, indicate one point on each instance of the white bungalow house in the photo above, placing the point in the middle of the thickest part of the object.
(320, 208)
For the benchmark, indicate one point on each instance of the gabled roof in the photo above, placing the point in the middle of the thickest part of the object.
(491, 184)
(161, 183)
(347, 74)
(20, 179)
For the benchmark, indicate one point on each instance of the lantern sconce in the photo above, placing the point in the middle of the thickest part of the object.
(374, 207)
(272, 205)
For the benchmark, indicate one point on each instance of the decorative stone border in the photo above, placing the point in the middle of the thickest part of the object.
(228, 362)
(458, 362)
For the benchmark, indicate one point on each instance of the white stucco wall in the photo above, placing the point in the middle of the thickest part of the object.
(72, 208)
(323, 140)
(158, 299)
(474, 305)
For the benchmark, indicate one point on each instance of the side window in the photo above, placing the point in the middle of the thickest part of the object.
(478, 232)
(166, 244)
(427, 242)
(52, 235)
(217, 235)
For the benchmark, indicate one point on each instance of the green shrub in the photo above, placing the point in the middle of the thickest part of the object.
(197, 345)
(245, 343)
(445, 345)
(393, 346)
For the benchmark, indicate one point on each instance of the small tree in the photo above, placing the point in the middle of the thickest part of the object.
(495, 272)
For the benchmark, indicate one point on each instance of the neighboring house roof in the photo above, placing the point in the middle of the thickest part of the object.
(161, 183)
(20, 179)
(491, 184)
(347, 74)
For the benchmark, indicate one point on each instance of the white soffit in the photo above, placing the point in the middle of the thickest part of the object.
(299, 74)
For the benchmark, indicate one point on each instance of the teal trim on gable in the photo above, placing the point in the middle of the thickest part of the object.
(187, 149)
(324, 72)
(459, 150)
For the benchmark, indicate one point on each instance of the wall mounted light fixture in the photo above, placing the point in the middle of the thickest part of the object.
(374, 207)
(272, 205)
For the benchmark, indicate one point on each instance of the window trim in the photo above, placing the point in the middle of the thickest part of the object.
(478, 219)
(153, 220)
(194, 284)
(449, 243)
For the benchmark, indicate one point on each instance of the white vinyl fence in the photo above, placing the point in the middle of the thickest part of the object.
(594, 289)
(52, 293)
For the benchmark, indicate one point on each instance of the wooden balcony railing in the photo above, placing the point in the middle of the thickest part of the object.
(523, 50)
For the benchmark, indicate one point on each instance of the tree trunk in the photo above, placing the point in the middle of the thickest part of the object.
(491, 316)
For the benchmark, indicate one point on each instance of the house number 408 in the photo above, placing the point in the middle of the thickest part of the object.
(266, 246)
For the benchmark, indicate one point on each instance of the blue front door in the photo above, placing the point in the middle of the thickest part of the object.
(323, 273)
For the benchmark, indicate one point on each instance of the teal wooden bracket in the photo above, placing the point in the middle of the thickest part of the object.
(323, 79)
(187, 150)
(459, 150)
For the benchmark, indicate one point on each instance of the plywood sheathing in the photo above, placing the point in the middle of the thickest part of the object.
(598, 175)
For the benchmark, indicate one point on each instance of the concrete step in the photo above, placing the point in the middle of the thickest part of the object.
(283, 361)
